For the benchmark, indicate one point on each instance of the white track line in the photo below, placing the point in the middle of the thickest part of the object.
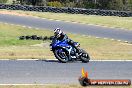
(105, 38)
(29, 27)
(126, 41)
(36, 28)
(112, 39)
(118, 40)
(24, 26)
(4, 59)
(97, 37)
(111, 60)
(28, 59)
(56, 60)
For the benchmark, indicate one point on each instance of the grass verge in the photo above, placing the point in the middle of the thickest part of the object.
(61, 86)
(109, 21)
(13, 48)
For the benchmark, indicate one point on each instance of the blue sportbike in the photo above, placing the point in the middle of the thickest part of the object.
(64, 52)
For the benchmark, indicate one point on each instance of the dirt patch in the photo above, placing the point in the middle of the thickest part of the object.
(46, 44)
(129, 44)
(13, 13)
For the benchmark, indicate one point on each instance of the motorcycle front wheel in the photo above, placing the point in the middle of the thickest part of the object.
(61, 55)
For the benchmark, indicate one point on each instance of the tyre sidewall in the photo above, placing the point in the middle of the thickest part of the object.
(58, 57)
(84, 60)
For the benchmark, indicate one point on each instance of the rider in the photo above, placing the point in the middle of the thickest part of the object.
(61, 36)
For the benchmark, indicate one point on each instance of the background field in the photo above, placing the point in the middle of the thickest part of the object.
(13, 48)
(109, 21)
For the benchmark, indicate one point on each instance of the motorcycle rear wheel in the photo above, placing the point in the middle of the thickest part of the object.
(84, 56)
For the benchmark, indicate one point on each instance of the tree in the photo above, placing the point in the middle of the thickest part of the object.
(39, 2)
(55, 4)
(116, 4)
(22, 2)
(68, 3)
(3, 1)
(33, 2)
(130, 5)
(103, 4)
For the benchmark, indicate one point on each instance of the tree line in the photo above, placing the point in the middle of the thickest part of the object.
(93, 4)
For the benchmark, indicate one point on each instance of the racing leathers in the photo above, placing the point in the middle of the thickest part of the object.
(65, 37)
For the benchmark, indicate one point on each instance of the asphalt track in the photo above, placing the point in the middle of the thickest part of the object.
(104, 32)
(53, 72)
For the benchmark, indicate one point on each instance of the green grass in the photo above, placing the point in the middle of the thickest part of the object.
(110, 21)
(12, 48)
(9, 35)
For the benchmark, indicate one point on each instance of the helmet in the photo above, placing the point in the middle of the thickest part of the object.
(57, 32)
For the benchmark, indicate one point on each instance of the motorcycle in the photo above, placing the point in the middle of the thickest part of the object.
(67, 53)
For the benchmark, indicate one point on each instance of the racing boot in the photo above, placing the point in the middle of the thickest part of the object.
(77, 49)
(78, 52)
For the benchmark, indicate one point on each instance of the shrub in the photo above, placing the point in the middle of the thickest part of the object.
(54, 4)
(3, 1)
